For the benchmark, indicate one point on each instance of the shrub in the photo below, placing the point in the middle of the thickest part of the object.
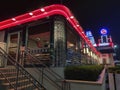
(83, 72)
(115, 69)
(118, 71)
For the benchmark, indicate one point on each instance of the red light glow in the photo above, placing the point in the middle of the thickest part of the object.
(43, 13)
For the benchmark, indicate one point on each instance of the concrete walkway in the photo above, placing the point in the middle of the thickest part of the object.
(111, 81)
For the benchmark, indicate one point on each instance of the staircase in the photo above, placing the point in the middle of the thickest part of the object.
(10, 74)
(15, 77)
(54, 80)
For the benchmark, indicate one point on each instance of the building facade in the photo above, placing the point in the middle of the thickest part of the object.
(51, 34)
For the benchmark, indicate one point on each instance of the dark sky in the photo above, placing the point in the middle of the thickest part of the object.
(91, 14)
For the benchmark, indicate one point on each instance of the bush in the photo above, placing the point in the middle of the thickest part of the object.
(86, 72)
(115, 69)
(118, 71)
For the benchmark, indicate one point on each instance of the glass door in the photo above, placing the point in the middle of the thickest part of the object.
(14, 45)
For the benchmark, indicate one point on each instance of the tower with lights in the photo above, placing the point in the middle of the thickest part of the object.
(91, 38)
(105, 46)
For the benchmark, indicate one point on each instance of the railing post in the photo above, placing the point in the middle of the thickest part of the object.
(17, 76)
(42, 73)
(65, 85)
(22, 56)
(68, 86)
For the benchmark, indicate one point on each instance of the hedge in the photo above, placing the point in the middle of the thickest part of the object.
(83, 72)
(115, 69)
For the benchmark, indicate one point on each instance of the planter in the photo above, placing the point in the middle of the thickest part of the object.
(111, 81)
(114, 77)
(117, 80)
(88, 85)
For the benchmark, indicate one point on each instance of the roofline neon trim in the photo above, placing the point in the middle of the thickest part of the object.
(48, 11)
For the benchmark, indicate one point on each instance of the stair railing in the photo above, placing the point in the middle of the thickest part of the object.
(21, 74)
(48, 73)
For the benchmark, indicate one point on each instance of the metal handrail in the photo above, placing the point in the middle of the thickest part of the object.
(8, 81)
(21, 69)
(50, 71)
(44, 65)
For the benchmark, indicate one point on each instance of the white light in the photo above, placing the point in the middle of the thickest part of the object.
(77, 25)
(67, 18)
(115, 46)
(104, 44)
(72, 17)
(13, 19)
(87, 50)
(94, 45)
(71, 45)
(30, 14)
(82, 32)
(42, 10)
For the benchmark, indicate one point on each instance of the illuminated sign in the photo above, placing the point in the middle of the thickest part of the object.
(104, 44)
(103, 31)
(88, 33)
(90, 36)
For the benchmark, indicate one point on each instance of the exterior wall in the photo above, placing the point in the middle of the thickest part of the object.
(111, 59)
(2, 35)
(108, 59)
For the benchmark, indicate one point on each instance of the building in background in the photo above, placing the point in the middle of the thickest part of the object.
(91, 38)
(106, 47)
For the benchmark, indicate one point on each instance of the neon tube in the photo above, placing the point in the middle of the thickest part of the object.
(55, 9)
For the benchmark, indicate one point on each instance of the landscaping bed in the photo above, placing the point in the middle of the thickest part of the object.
(115, 69)
(83, 72)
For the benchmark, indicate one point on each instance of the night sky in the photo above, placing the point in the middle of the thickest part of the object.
(91, 14)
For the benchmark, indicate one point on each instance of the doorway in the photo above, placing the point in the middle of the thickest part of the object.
(13, 46)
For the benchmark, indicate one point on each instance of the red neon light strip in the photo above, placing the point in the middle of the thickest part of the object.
(49, 11)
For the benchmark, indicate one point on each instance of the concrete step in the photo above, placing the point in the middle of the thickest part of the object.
(10, 74)
(12, 77)
(19, 82)
(24, 87)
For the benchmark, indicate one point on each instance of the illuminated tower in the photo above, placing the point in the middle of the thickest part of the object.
(105, 39)
(90, 36)
(105, 46)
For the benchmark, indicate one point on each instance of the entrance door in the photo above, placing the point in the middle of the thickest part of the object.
(14, 45)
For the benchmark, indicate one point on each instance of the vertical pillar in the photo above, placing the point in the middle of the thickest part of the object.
(59, 41)
(80, 48)
(2, 36)
(3, 46)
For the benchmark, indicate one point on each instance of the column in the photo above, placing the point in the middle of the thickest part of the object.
(59, 41)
